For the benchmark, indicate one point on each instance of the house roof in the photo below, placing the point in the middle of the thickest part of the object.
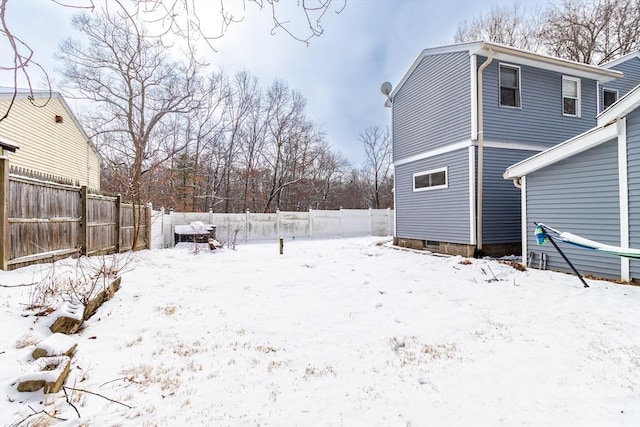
(606, 130)
(622, 59)
(507, 53)
(7, 93)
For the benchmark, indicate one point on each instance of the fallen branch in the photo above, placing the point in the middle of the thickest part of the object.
(99, 395)
(42, 411)
(18, 286)
(69, 402)
(118, 379)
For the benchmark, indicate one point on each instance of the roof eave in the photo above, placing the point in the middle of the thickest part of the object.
(7, 144)
(623, 106)
(538, 60)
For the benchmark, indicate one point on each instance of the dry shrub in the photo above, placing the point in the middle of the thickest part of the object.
(169, 309)
(465, 261)
(26, 340)
(515, 264)
(80, 281)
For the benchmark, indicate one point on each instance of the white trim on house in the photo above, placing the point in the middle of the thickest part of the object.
(432, 153)
(514, 146)
(472, 195)
(623, 106)
(523, 218)
(522, 57)
(623, 188)
(474, 97)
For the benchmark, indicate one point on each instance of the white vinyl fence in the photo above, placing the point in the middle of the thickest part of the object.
(249, 226)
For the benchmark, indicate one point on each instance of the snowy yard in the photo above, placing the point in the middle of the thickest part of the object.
(335, 333)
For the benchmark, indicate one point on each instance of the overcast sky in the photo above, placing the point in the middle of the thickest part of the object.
(339, 74)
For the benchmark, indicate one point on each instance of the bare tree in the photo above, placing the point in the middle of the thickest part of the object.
(508, 25)
(285, 115)
(241, 102)
(377, 149)
(134, 88)
(592, 31)
(253, 143)
(191, 20)
(588, 31)
(327, 175)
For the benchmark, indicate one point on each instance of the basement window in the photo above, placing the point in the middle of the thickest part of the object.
(430, 180)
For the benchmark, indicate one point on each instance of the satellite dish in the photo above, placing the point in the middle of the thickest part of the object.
(386, 88)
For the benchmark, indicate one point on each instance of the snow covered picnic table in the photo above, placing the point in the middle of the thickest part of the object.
(197, 231)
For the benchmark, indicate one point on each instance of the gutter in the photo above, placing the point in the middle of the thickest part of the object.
(480, 139)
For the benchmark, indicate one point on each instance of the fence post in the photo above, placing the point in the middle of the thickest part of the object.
(390, 222)
(4, 212)
(247, 223)
(370, 222)
(118, 223)
(278, 223)
(83, 235)
(148, 224)
(162, 246)
(310, 223)
(341, 213)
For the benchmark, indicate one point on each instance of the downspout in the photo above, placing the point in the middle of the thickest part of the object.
(517, 182)
(480, 152)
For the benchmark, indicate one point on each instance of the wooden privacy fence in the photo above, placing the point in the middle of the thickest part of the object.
(42, 219)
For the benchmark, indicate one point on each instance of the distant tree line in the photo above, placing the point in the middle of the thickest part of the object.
(173, 134)
(587, 31)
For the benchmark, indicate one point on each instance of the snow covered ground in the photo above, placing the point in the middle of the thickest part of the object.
(334, 333)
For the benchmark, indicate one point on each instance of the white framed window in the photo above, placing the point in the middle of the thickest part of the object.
(609, 96)
(509, 80)
(431, 179)
(570, 96)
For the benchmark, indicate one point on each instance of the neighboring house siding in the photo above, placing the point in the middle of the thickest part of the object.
(501, 206)
(631, 79)
(633, 169)
(433, 107)
(578, 195)
(438, 214)
(539, 120)
(45, 146)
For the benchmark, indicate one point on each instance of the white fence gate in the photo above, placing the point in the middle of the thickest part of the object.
(249, 226)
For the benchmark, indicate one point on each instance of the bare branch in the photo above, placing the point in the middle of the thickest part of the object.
(97, 394)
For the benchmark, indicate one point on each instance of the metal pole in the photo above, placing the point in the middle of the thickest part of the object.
(567, 260)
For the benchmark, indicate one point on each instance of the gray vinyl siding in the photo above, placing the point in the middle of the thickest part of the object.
(578, 195)
(438, 214)
(631, 79)
(633, 170)
(501, 208)
(433, 107)
(539, 120)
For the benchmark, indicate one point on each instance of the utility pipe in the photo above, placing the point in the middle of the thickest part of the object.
(480, 138)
